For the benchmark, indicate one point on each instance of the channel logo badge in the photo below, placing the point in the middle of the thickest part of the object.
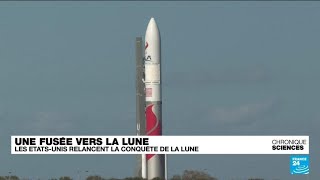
(299, 164)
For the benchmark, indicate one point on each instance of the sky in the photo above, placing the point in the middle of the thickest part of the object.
(228, 68)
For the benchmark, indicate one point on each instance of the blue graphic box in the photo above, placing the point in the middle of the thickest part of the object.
(299, 164)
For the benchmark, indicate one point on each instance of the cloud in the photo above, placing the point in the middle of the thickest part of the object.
(244, 114)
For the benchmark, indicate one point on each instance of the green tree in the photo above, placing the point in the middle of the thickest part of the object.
(158, 178)
(176, 177)
(95, 177)
(134, 178)
(65, 178)
(196, 175)
(13, 177)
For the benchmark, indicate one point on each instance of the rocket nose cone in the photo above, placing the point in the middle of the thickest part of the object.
(152, 20)
(152, 24)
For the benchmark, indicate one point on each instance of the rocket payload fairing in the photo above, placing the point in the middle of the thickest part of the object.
(155, 162)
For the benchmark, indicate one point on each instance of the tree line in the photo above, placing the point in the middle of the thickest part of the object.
(186, 175)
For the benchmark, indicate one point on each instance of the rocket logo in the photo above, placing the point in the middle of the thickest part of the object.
(153, 126)
(146, 45)
(148, 58)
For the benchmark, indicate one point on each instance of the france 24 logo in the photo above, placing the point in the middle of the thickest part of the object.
(299, 164)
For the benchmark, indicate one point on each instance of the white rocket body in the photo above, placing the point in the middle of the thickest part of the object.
(155, 162)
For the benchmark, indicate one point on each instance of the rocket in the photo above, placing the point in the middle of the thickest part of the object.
(152, 62)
